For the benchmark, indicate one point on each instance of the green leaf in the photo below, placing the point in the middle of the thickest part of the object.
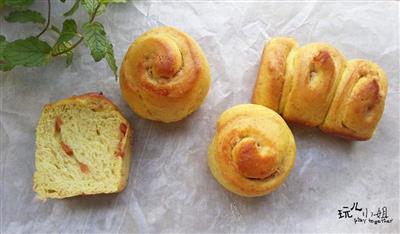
(55, 29)
(28, 52)
(2, 42)
(69, 58)
(91, 5)
(25, 16)
(4, 65)
(112, 1)
(68, 31)
(111, 60)
(95, 39)
(73, 8)
(62, 46)
(18, 4)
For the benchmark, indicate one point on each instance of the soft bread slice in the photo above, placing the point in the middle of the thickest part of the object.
(82, 147)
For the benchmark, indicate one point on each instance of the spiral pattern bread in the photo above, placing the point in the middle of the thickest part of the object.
(253, 150)
(359, 101)
(314, 86)
(164, 75)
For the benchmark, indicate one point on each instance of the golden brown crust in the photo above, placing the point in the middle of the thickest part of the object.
(271, 73)
(343, 134)
(359, 101)
(82, 98)
(253, 150)
(252, 163)
(164, 75)
(320, 88)
(316, 72)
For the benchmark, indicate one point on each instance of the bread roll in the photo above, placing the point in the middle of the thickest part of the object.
(315, 71)
(359, 101)
(164, 75)
(253, 150)
(272, 72)
(305, 85)
(82, 147)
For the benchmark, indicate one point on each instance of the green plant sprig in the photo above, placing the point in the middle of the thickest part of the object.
(32, 51)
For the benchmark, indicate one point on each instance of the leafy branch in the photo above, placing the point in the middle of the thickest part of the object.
(93, 15)
(32, 51)
(48, 18)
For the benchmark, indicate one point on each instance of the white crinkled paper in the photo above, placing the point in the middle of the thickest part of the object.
(170, 187)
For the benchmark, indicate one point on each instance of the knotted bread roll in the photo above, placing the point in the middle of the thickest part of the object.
(359, 101)
(313, 86)
(165, 75)
(253, 150)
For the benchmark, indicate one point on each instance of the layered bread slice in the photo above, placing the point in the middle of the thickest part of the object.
(83, 146)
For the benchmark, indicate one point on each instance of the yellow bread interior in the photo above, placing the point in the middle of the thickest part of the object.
(82, 147)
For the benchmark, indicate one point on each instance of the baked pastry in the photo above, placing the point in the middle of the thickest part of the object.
(359, 101)
(253, 150)
(271, 73)
(306, 84)
(164, 75)
(315, 70)
(82, 147)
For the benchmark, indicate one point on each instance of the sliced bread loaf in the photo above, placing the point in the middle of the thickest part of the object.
(82, 147)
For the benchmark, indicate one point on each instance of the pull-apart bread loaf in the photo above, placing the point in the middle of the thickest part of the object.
(82, 147)
(253, 150)
(314, 86)
(164, 75)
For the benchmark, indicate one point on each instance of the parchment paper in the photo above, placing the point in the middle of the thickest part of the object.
(170, 187)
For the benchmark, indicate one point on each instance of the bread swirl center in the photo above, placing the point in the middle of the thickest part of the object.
(163, 59)
(254, 161)
(321, 72)
(163, 64)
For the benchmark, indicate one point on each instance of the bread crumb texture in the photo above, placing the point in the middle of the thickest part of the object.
(82, 147)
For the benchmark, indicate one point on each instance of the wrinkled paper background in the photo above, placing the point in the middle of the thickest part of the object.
(170, 187)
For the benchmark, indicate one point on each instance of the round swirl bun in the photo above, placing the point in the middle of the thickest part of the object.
(164, 75)
(314, 85)
(253, 150)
